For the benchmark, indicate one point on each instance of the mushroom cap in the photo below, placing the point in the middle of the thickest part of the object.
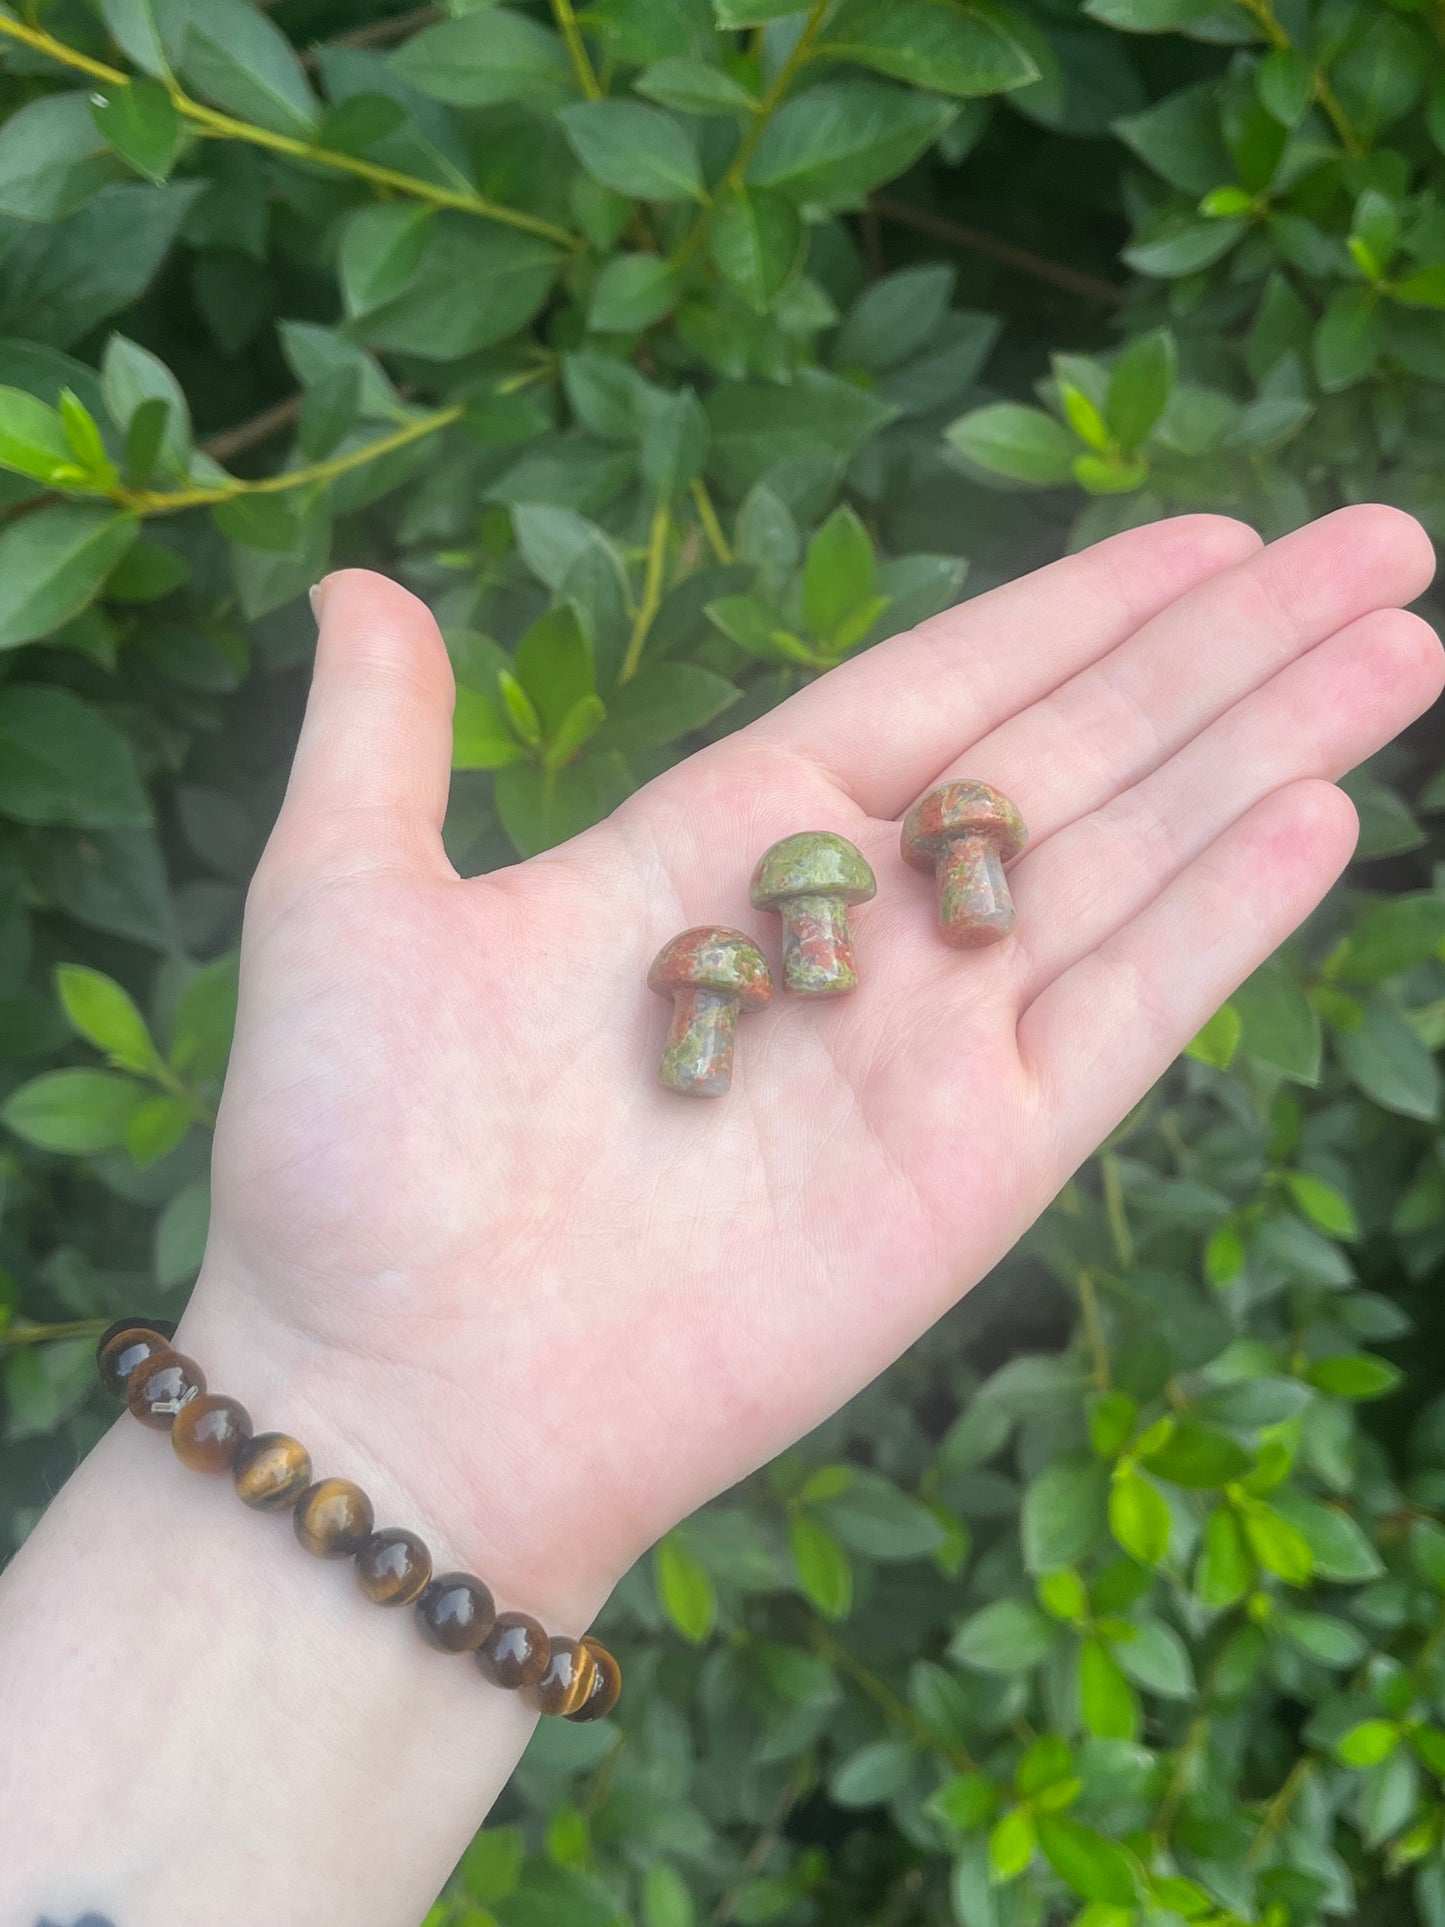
(957, 810)
(712, 957)
(814, 863)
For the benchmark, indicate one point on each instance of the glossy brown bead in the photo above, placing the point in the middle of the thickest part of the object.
(393, 1566)
(515, 1652)
(158, 1387)
(333, 1518)
(210, 1431)
(123, 1345)
(271, 1471)
(456, 1612)
(606, 1688)
(566, 1685)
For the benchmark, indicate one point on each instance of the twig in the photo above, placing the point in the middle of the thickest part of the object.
(260, 428)
(576, 47)
(651, 591)
(226, 127)
(711, 527)
(378, 33)
(1072, 280)
(762, 1846)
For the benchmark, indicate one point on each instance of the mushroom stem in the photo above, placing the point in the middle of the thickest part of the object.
(818, 956)
(974, 904)
(697, 1058)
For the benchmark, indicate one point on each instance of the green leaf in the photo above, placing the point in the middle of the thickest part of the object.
(485, 57)
(1198, 1455)
(691, 86)
(1321, 1637)
(1278, 1546)
(833, 144)
(684, 1589)
(53, 563)
(105, 1014)
(636, 150)
(1158, 1660)
(1225, 1571)
(664, 701)
(382, 247)
(1091, 1864)
(576, 729)
(873, 1774)
(1106, 1699)
(234, 57)
(474, 284)
(1138, 1517)
(757, 243)
(180, 1235)
(757, 427)
(142, 125)
(839, 573)
(156, 1127)
(1280, 1024)
(632, 291)
(1348, 339)
(1011, 1844)
(32, 438)
(62, 762)
(1217, 1043)
(53, 158)
(822, 1566)
(1140, 385)
(78, 1112)
(1285, 83)
(666, 1901)
(1023, 444)
(930, 43)
(554, 666)
(1355, 1375)
(1425, 288)
(480, 737)
(1367, 1743)
(1010, 1636)
(874, 1517)
(131, 376)
(1381, 1055)
(135, 27)
(205, 1018)
(1063, 1518)
(1322, 1204)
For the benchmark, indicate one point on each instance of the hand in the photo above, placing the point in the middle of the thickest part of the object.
(457, 1222)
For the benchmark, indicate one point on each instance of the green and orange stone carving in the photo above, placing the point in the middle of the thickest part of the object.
(811, 880)
(710, 973)
(965, 832)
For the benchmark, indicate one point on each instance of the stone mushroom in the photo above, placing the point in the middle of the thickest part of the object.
(965, 832)
(810, 880)
(710, 974)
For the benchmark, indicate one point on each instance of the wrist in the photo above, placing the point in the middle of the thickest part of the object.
(417, 1444)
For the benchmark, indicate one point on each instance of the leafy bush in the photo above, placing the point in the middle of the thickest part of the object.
(1122, 1597)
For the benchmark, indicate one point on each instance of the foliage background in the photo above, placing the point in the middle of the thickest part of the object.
(673, 350)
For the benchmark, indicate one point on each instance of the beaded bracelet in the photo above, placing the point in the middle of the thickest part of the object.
(576, 1678)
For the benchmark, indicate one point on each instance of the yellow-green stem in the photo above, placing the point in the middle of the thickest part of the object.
(1094, 1331)
(1114, 1210)
(571, 34)
(49, 1334)
(226, 127)
(711, 527)
(167, 502)
(762, 114)
(1274, 32)
(651, 591)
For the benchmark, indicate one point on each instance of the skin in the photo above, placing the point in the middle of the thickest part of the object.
(467, 1250)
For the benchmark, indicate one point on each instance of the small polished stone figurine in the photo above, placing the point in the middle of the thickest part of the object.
(965, 832)
(811, 880)
(710, 973)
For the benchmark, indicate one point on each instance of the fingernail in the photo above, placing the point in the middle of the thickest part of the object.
(315, 592)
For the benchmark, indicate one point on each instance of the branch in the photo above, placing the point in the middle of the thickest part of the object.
(378, 33)
(1071, 280)
(226, 127)
(571, 33)
(260, 428)
(651, 591)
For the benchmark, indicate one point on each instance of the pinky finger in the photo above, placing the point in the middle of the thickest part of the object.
(1100, 1035)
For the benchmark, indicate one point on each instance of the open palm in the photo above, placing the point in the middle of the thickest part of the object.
(548, 1307)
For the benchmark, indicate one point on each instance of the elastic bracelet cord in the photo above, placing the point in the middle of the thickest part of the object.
(577, 1679)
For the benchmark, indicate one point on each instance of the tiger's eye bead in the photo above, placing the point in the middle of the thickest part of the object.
(210, 1431)
(158, 1387)
(123, 1345)
(333, 1518)
(515, 1652)
(606, 1688)
(456, 1612)
(393, 1566)
(567, 1683)
(271, 1471)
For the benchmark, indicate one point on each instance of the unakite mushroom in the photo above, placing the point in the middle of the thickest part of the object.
(710, 973)
(811, 879)
(965, 832)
